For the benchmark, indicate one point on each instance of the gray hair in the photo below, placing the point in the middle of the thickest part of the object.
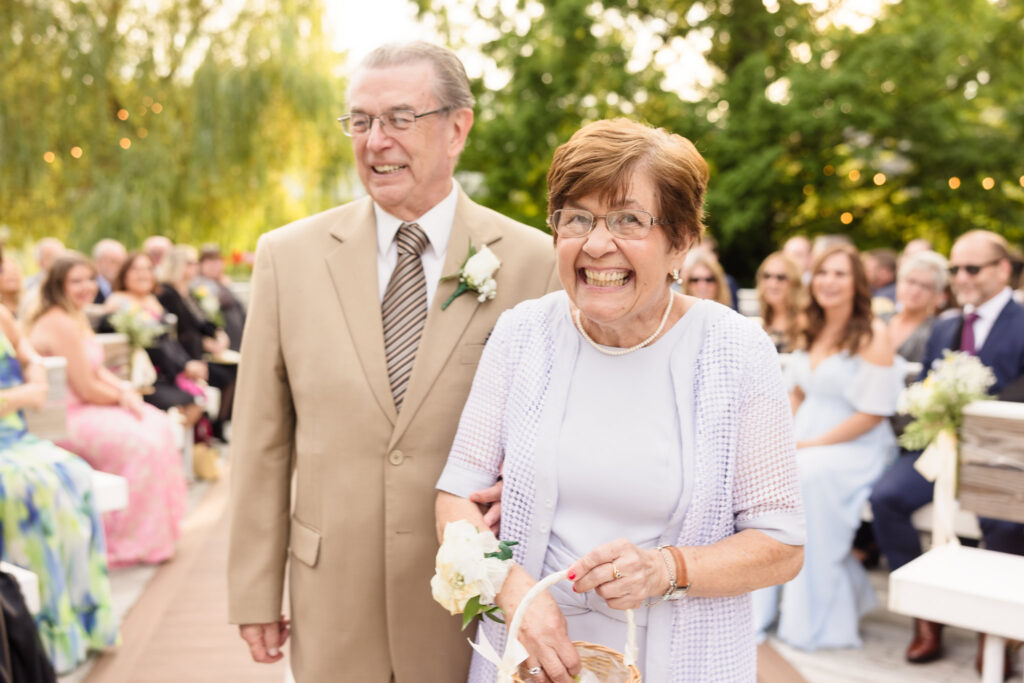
(105, 245)
(929, 262)
(451, 84)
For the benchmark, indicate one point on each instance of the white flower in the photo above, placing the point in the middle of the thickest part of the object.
(479, 268)
(462, 571)
(487, 290)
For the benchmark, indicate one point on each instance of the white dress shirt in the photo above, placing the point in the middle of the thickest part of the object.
(437, 223)
(987, 314)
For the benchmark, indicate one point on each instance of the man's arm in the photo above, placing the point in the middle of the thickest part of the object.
(262, 449)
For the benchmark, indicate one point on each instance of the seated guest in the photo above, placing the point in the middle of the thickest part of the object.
(798, 250)
(156, 247)
(48, 519)
(11, 285)
(710, 245)
(195, 332)
(108, 256)
(47, 249)
(215, 282)
(919, 288)
(108, 423)
(177, 374)
(991, 326)
(705, 279)
(844, 384)
(880, 265)
(780, 293)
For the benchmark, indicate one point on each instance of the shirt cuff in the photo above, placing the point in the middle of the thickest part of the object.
(462, 481)
(784, 527)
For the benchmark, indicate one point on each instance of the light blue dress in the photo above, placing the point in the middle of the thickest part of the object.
(822, 606)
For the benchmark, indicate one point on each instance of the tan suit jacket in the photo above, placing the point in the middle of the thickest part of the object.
(313, 397)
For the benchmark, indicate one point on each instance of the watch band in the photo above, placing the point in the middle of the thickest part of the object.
(682, 576)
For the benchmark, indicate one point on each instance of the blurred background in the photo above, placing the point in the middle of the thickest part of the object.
(213, 120)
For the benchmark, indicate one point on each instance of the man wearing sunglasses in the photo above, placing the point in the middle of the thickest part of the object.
(352, 381)
(991, 326)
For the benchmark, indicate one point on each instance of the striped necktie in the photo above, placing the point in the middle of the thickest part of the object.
(404, 309)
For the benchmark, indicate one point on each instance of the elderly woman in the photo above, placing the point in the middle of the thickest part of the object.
(779, 293)
(644, 436)
(705, 278)
(920, 285)
(844, 385)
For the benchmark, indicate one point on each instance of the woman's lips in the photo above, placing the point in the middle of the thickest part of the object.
(605, 278)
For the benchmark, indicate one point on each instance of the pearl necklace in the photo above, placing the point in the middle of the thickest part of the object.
(631, 349)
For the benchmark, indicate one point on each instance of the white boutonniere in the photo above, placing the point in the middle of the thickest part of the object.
(475, 275)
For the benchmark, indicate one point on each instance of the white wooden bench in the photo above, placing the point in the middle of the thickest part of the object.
(975, 589)
(28, 582)
(51, 421)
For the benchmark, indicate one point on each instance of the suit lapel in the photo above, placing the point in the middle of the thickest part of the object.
(352, 264)
(444, 328)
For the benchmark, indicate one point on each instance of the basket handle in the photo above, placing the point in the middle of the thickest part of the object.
(629, 653)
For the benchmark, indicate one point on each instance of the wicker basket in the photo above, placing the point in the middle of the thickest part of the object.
(605, 663)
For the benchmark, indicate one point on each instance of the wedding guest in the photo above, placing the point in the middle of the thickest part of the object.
(780, 295)
(196, 334)
(351, 381)
(178, 376)
(644, 436)
(919, 288)
(914, 246)
(798, 249)
(213, 279)
(880, 266)
(991, 327)
(844, 385)
(709, 245)
(108, 256)
(704, 278)
(11, 285)
(47, 249)
(108, 424)
(156, 247)
(49, 523)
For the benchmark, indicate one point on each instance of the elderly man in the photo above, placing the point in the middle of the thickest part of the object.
(356, 361)
(108, 255)
(217, 284)
(156, 247)
(47, 251)
(991, 327)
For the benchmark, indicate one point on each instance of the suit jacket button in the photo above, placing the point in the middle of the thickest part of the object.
(396, 457)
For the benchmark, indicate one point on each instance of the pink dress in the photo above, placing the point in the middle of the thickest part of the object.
(112, 439)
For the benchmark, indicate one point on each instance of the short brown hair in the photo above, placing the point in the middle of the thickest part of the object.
(602, 157)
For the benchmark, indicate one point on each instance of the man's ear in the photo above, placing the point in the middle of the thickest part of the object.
(462, 121)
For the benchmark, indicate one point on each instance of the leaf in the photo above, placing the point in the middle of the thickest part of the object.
(473, 607)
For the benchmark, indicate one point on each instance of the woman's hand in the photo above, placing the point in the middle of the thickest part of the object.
(642, 574)
(196, 370)
(131, 401)
(543, 632)
(216, 344)
(32, 396)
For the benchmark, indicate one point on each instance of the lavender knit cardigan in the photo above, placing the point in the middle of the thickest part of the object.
(740, 475)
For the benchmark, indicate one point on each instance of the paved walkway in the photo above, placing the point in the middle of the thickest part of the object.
(178, 631)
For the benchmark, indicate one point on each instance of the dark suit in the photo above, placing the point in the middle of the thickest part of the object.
(902, 490)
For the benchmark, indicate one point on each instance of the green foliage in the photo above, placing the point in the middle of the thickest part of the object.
(191, 120)
(798, 119)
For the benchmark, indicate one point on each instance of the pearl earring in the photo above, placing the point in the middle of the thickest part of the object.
(677, 277)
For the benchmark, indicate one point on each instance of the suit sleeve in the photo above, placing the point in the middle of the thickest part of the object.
(261, 454)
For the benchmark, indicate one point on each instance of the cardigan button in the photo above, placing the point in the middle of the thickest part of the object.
(396, 458)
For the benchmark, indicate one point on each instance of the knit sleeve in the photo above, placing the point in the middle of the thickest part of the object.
(766, 491)
(478, 450)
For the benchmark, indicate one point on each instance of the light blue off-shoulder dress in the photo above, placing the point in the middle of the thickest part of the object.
(822, 606)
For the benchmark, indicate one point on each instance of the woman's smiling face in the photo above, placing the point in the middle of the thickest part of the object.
(619, 285)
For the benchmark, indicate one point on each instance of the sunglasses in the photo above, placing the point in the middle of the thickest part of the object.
(695, 280)
(972, 269)
(781, 277)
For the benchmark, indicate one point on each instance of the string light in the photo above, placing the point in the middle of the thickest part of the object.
(954, 183)
(829, 169)
(879, 179)
(157, 108)
(76, 152)
(855, 175)
(125, 143)
(49, 157)
(846, 218)
(988, 183)
(122, 114)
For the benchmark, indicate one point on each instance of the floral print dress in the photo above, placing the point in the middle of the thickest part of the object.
(50, 526)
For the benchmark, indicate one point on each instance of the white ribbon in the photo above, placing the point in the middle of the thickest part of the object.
(507, 665)
(142, 373)
(938, 463)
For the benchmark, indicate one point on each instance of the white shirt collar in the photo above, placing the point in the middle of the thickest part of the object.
(990, 309)
(437, 223)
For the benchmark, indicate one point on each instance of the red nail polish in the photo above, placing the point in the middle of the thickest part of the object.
(572, 576)
(574, 589)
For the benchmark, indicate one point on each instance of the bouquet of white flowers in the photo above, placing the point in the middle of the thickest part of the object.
(937, 403)
(141, 327)
(471, 566)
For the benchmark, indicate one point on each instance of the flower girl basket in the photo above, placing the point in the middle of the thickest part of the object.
(603, 664)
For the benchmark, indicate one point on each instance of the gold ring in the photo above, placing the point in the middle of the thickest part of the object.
(615, 572)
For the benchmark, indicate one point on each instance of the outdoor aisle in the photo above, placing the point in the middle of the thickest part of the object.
(178, 630)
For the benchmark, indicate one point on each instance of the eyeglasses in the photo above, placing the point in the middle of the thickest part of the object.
(696, 280)
(781, 277)
(972, 270)
(627, 224)
(395, 120)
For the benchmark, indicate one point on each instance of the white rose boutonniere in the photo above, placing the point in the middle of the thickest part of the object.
(470, 568)
(476, 275)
